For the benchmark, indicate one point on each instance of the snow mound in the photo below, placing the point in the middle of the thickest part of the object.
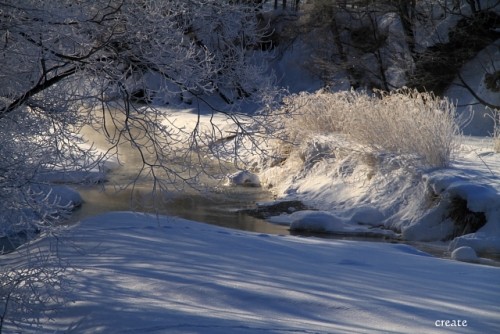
(464, 254)
(64, 195)
(366, 222)
(317, 222)
(243, 178)
(75, 177)
(367, 215)
(467, 210)
(481, 242)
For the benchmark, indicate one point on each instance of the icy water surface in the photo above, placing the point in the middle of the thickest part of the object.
(218, 207)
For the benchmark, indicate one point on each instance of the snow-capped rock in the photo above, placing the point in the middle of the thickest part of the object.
(464, 254)
(243, 178)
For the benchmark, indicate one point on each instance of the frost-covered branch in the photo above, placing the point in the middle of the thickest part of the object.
(113, 66)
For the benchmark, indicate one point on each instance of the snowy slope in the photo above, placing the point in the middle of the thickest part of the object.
(140, 274)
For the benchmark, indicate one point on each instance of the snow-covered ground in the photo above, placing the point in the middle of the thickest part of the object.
(143, 274)
(136, 273)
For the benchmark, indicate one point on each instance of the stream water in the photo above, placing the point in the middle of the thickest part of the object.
(218, 207)
(216, 204)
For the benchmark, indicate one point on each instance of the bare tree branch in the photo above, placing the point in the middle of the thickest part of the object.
(474, 93)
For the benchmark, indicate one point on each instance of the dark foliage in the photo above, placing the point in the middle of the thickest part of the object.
(466, 221)
(439, 64)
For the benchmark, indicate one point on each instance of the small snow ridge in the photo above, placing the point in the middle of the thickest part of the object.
(367, 215)
(410, 250)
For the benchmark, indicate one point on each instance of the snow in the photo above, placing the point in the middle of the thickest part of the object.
(137, 273)
(316, 221)
(464, 253)
(61, 195)
(145, 274)
(290, 72)
(364, 221)
(402, 202)
(481, 242)
(243, 178)
(380, 195)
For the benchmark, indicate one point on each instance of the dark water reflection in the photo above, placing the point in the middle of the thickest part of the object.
(219, 207)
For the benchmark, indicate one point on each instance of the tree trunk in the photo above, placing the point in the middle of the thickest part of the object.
(342, 54)
(474, 6)
(407, 14)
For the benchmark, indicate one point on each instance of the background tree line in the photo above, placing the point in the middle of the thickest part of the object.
(386, 44)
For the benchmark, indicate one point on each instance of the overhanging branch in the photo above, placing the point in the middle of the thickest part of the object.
(476, 96)
(42, 85)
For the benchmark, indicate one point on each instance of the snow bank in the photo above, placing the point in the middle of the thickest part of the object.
(366, 193)
(60, 195)
(73, 177)
(481, 242)
(366, 222)
(316, 221)
(139, 274)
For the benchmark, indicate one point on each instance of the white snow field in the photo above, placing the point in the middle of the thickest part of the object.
(145, 274)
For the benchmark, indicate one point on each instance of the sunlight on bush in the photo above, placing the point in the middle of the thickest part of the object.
(415, 126)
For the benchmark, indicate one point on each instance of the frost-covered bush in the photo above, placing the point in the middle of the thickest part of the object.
(415, 126)
(315, 113)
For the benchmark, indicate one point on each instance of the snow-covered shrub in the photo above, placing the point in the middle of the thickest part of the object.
(315, 113)
(408, 123)
(415, 126)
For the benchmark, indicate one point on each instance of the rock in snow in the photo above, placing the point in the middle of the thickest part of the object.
(465, 254)
(316, 221)
(243, 178)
